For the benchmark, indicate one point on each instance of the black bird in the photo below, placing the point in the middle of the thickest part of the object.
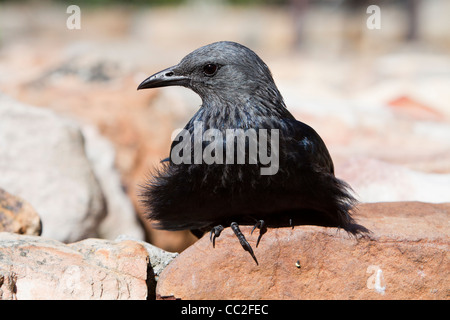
(238, 92)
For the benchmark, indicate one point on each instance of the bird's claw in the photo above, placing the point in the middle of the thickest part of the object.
(244, 243)
(215, 233)
(261, 225)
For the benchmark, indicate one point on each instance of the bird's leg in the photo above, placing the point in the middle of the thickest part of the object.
(291, 223)
(261, 225)
(215, 233)
(244, 243)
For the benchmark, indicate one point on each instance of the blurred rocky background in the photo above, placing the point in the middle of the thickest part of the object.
(77, 140)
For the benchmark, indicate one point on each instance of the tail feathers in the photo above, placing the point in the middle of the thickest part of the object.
(167, 198)
(346, 206)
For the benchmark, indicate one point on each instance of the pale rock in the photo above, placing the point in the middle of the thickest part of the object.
(378, 181)
(43, 160)
(38, 268)
(121, 217)
(159, 259)
(66, 171)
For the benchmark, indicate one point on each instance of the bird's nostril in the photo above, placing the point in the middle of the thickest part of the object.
(169, 74)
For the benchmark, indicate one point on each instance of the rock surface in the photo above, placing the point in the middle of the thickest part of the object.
(159, 259)
(378, 181)
(18, 216)
(367, 93)
(65, 173)
(37, 268)
(405, 257)
(43, 160)
(121, 218)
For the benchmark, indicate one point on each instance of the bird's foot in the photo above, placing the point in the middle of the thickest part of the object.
(261, 225)
(215, 233)
(244, 243)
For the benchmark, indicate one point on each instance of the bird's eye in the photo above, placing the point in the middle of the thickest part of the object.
(210, 69)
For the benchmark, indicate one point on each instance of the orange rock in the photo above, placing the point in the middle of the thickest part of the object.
(406, 257)
(18, 216)
(411, 108)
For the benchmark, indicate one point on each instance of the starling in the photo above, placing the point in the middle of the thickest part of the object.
(242, 159)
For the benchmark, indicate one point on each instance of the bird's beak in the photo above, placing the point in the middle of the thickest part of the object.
(167, 77)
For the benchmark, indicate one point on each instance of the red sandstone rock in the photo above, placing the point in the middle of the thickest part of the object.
(406, 257)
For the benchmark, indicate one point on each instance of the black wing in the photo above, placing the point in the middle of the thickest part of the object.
(309, 142)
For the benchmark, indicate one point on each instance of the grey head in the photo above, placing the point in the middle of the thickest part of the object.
(220, 72)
